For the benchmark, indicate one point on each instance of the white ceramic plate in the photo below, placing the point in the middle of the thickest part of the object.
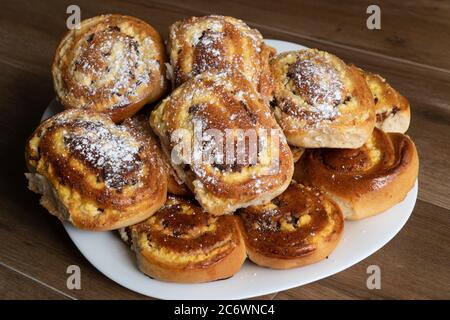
(361, 238)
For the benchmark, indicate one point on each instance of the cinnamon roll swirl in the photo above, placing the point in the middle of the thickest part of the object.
(391, 108)
(183, 243)
(299, 227)
(319, 101)
(200, 44)
(140, 127)
(93, 173)
(364, 181)
(233, 153)
(113, 64)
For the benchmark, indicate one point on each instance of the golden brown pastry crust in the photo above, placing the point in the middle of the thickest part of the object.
(113, 64)
(391, 108)
(94, 173)
(364, 181)
(200, 44)
(224, 102)
(183, 243)
(319, 101)
(299, 227)
(141, 129)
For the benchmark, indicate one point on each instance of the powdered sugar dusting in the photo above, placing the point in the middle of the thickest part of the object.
(208, 52)
(115, 154)
(111, 64)
(217, 42)
(319, 85)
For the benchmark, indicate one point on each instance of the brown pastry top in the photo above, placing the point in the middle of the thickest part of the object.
(357, 171)
(222, 106)
(140, 127)
(199, 44)
(99, 169)
(292, 224)
(388, 102)
(109, 63)
(181, 233)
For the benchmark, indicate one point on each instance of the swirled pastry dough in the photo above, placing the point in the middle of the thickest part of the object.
(183, 243)
(301, 226)
(213, 42)
(319, 101)
(367, 180)
(226, 109)
(93, 173)
(391, 108)
(113, 64)
(140, 127)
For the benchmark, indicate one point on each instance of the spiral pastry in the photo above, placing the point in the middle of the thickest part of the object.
(299, 227)
(140, 128)
(391, 108)
(93, 173)
(319, 101)
(201, 44)
(233, 153)
(183, 243)
(364, 181)
(113, 64)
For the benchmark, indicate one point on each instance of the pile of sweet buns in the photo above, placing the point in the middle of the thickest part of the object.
(226, 150)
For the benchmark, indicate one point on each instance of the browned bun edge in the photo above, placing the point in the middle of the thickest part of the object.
(72, 193)
(378, 201)
(222, 269)
(320, 253)
(52, 202)
(364, 197)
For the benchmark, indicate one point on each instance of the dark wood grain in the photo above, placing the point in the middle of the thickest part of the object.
(17, 286)
(411, 51)
(412, 33)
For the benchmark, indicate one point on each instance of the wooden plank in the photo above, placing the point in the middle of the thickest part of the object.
(412, 32)
(36, 243)
(17, 286)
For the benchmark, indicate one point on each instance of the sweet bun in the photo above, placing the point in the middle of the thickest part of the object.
(319, 101)
(140, 127)
(299, 227)
(215, 110)
(113, 64)
(391, 108)
(364, 181)
(94, 173)
(199, 44)
(182, 243)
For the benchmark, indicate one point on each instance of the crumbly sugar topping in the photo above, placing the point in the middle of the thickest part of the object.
(113, 64)
(111, 150)
(208, 52)
(319, 85)
(208, 37)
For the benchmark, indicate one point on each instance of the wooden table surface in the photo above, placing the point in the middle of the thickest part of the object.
(411, 50)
